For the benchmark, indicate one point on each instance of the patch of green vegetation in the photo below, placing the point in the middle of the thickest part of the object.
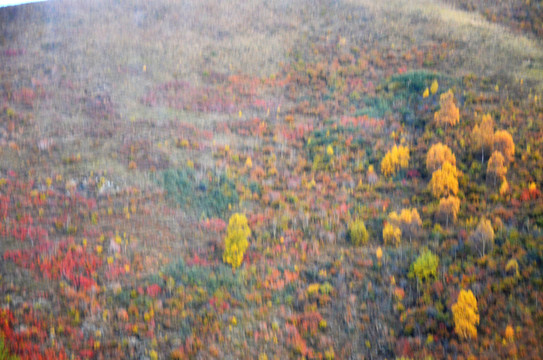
(376, 107)
(402, 93)
(255, 188)
(202, 197)
(330, 135)
(414, 81)
(209, 278)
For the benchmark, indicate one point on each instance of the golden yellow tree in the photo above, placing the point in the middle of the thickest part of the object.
(482, 136)
(510, 333)
(379, 255)
(236, 242)
(444, 181)
(437, 155)
(448, 208)
(434, 87)
(496, 166)
(503, 142)
(392, 235)
(408, 221)
(504, 187)
(448, 114)
(466, 315)
(395, 160)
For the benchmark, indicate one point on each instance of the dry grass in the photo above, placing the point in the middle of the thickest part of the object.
(101, 47)
(480, 47)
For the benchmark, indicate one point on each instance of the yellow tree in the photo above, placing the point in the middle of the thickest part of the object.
(510, 333)
(426, 93)
(504, 187)
(448, 114)
(358, 233)
(496, 166)
(437, 155)
(425, 267)
(392, 235)
(408, 221)
(434, 87)
(482, 136)
(236, 242)
(466, 315)
(483, 236)
(448, 208)
(444, 181)
(503, 142)
(379, 255)
(395, 160)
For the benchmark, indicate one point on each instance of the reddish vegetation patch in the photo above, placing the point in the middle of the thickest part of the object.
(25, 335)
(227, 95)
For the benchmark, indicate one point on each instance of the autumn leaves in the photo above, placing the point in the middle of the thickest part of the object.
(395, 160)
(236, 242)
(501, 143)
(497, 149)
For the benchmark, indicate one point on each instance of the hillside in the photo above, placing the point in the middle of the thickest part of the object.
(385, 156)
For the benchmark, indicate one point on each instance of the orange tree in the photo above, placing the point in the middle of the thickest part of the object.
(503, 142)
(448, 114)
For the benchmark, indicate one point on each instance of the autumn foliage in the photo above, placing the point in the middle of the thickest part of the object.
(466, 315)
(395, 160)
(392, 235)
(496, 167)
(236, 241)
(482, 238)
(358, 233)
(444, 181)
(425, 266)
(482, 136)
(437, 155)
(322, 203)
(503, 142)
(448, 114)
(448, 208)
(408, 221)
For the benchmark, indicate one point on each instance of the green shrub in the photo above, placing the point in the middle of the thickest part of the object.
(210, 198)
(414, 81)
(210, 278)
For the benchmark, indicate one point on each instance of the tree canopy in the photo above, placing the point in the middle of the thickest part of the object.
(236, 241)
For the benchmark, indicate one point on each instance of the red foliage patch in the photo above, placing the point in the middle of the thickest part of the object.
(153, 290)
(26, 342)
